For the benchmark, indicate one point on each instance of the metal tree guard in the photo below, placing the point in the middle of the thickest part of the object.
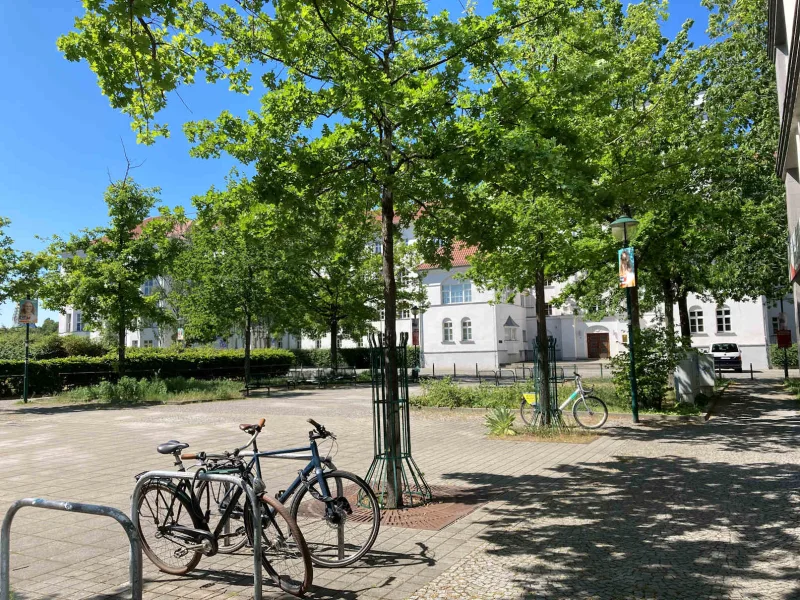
(555, 414)
(389, 416)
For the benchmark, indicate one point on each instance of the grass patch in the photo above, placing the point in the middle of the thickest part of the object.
(446, 393)
(561, 435)
(133, 391)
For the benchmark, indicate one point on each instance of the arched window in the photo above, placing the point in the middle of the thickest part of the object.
(466, 330)
(723, 319)
(696, 320)
(447, 330)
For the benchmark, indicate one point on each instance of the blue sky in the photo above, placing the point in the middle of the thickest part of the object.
(61, 139)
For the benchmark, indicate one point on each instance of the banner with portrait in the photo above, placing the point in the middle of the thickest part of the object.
(627, 270)
(28, 312)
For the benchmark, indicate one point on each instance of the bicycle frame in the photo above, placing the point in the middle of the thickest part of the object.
(314, 465)
(573, 397)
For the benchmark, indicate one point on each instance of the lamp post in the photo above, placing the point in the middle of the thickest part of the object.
(623, 229)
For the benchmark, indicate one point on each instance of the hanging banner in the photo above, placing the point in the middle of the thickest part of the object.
(627, 272)
(414, 332)
(28, 312)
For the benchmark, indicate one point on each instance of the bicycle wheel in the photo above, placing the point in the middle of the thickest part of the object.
(284, 553)
(590, 412)
(215, 496)
(529, 412)
(160, 509)
(341, 531)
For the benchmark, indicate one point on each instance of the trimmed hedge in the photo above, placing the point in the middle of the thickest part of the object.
(357, 358)
(54, 375)
(776, 356)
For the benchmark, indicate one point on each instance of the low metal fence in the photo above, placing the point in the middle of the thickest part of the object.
(135, 562)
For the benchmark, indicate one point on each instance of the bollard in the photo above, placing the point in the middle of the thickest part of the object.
(601, 370)
(454, 370)
(433, 367)
(476, 371)
(751, 370)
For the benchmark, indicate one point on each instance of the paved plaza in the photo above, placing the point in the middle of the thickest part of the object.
(667, 510)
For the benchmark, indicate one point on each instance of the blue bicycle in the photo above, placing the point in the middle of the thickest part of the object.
(337, 511)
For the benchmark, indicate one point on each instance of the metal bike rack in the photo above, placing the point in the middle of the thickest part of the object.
(76, 507)
(252, 496)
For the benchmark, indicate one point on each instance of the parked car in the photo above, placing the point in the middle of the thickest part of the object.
(727, 356)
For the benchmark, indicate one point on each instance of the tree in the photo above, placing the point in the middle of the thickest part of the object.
(711, 210)
(360, 94)
(100, 272)
(232, 271)
(7, 258)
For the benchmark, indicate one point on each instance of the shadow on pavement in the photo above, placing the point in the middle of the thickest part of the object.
(663, 526)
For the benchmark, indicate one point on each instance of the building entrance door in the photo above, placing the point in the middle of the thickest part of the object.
(597, 345)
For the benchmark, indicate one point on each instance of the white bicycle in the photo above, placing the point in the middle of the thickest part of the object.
(588, 411)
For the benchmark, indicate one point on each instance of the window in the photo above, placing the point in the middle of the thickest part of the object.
(149, 287)
(382, 314)
(279, 343)
(624, 338)
(524, 335)
(377, 247)
(696, 320)
(511, 334)
(360, 342)
(68, 321)
(78, 321)
(457, 293)
(723, 319)
(135, 343)
(405, 313)
(339, 342)
(318, 343)
(529, 301)
(548, 309)
(775, 325)
(466, 330)
(447, 330)
(548, 283)
(147, 344)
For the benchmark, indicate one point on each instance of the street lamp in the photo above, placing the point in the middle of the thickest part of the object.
(623, 229)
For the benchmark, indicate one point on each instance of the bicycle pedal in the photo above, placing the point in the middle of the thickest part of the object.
(279, 494)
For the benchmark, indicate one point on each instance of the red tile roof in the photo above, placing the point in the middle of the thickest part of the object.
(461, 254)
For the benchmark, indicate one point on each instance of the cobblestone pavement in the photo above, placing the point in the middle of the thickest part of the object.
(656, 511)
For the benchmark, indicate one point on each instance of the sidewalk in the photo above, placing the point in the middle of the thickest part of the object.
(675, 511)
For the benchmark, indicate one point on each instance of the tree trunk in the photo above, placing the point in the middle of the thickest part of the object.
(394, 468)
(543, 349)
(669, 310)
(683, 312)
(121, 348)
(248, 324)
(334, 323)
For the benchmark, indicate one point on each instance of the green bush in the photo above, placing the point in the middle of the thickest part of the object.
(131, 391)
(776, 356)
(445, 393)
(54, 375)
(357, 358)
(654, 363)
(78, 345)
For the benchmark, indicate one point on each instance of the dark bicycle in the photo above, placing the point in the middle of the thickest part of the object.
(337, 511)
(176, 530)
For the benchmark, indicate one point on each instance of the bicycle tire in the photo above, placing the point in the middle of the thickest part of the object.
(164, 491)
(529, 413)
(599, 407)
(217, 492)
(317, 522)
(284, 553)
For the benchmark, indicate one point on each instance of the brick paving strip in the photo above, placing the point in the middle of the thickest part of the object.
(659, 511)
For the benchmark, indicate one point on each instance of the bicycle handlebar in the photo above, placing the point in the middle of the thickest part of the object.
(321, 431)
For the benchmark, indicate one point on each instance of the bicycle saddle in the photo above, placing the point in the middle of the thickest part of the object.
(171, 447)
(250, 429)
